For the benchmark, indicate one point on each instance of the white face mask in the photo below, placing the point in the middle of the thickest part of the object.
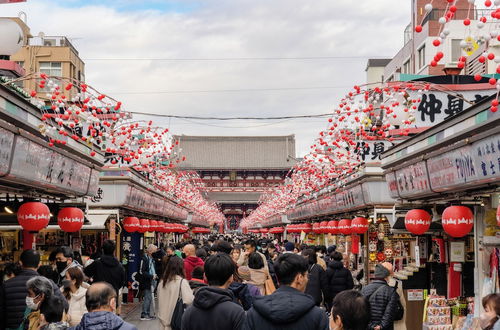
(30, 303)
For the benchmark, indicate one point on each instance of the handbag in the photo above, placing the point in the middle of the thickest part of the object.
(176, 321)
(269, 286)
(400, 311)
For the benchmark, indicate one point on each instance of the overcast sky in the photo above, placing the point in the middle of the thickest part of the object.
(222, 29)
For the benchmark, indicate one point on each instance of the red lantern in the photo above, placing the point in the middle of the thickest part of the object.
(306, 228)
(278, 230)
(316, 228)
(324, 227)
(70, 219)
(457, 221)
(131, 224)
(498, 215)
(417, 221)
(345, 226)
(152, 226)
(144, 226)
(33, 216)
(333, 227)
(264, 230)
(359, 225)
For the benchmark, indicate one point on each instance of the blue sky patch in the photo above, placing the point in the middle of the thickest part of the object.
(179, 6)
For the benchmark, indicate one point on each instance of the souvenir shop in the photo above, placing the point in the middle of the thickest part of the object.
(446, 181)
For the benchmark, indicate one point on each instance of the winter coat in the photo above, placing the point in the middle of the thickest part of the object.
(167, 298)
(191, 263)
(213, 309)
(244, 293)
(195, 284)
(320, 261)
(13, 298)
(317, 286)
(287, 308)
(339, 279)
(55, 326)
(145, 275)
(77, 306)
(158, 258)
(383, 304)
(107, 269)
(243, 260)
(103, 321)
(258, 279)
(62, 275)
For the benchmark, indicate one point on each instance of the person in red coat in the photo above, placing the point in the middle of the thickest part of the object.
(191, 261)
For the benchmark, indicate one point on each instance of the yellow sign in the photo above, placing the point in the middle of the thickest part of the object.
(471, 47)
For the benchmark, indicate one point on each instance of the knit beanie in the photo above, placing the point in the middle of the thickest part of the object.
(331, 249)
(381, 271)
(289, 246)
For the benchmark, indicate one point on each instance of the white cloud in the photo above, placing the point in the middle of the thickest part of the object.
(229, 28)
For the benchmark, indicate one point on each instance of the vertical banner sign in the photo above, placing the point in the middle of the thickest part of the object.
(131, 256)
(112, 230)
(417, 254)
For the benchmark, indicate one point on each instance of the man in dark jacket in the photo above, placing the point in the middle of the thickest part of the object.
(317, 285)
(383, 299)
(147, 283)
(100, 301)
(338, 277)
(214, 307)
(107, 268)
(288, 307)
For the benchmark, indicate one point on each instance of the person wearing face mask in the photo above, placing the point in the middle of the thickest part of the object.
(64, 261)
(75, 295)
(384, 300)
(350, 311)
(40, 291)
(288, 307)
(489, 319)
(100, 300)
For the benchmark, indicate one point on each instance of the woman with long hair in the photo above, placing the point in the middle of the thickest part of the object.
(172, 284)
(75, 295)
(489, 319)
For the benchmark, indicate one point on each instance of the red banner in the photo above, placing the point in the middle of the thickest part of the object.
(11, 1)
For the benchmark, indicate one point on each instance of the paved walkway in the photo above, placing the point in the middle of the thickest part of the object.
(132, 314)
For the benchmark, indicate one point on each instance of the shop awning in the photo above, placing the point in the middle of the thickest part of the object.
(97, 221)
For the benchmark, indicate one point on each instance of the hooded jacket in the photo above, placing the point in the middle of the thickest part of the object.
(244, 293)
(191, 263)
(213, 309)
(195, 284)
(77, 306)
(339, 279)
(107, 269)
(287, 308)
(103, 321)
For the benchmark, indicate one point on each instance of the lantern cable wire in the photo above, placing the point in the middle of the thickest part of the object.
(271, 58)
(231, 118)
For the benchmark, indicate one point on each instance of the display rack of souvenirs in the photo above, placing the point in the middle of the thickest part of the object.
(437, 314)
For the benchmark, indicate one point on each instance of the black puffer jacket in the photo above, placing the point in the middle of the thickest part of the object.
(339, 279)
(213, 309)
(102, 321)
(107, 269)
(287, 308)
(317, 286)
(13, 298)
(383, 304)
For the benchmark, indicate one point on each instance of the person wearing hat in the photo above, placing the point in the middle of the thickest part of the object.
(384, 299)
(289, 246)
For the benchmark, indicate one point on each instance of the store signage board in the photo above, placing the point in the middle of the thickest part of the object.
(350, 198)
(457, 251)
(6, 142)
(413, 180)
(416, 295)
(469, 165)
(390, 178)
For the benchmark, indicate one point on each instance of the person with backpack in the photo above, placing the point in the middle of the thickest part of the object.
(384, 300)
(317, 285)
(338, 278)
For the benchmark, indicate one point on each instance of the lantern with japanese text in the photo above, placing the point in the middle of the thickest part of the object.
(323, 226)
(316, 228)
(457, 221)
(70, 219)
(306, 228)
(333, 227)
(278, 230)
(417, 221)
(345, 226)
(144, 226)
(359, 225)
(131, 224)
(153, 226)
(33, 216)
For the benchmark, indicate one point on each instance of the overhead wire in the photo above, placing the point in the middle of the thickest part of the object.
(230, 118)
(271, 58)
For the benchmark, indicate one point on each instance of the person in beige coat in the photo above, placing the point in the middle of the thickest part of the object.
(172, 281)
(74, 291)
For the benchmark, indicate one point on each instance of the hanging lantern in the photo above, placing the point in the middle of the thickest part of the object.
(131, 224)
(498, 215)
(306, 228)
(264, 230)
(457, 221)
(316, 228)
(359, 225)
(333, 227)
(154, 226)
(417, 221)
(144, 226)
(278, 230)
(324, 226)
(70, 219)
(33, 216)
(345, 226)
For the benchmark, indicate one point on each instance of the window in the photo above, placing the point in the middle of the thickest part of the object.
(421, 57)
(456, 50)
(406, 67)
(20, 63)
(51, 68)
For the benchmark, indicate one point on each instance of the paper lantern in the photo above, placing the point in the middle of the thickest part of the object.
(333, 227)
(316, 228)
(11, 38)
(144, 226)
(154, 226)
(417, 221)
(359, 225)
(457, 221)
(278, 230)
(498, 215)
(345, 226)
(324, 226)
(131, 224)
(306, 228)
(70, 219)
(33, 216)
(264, 230)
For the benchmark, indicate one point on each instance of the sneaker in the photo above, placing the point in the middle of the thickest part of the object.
(145, 318)
(152, 317)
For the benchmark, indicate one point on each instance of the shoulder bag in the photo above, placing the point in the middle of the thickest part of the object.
(176, 321)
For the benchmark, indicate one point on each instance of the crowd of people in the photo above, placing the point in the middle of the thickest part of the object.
(219, 283)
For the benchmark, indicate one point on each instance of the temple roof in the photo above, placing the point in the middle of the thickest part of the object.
(236, 152)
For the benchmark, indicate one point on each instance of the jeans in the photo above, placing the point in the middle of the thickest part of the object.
(146, 304)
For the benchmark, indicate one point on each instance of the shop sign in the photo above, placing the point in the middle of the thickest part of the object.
(350, 198)
(369, 151)
(457, 251)
(6, 142)
(390, 178)
(472, 164)
(413, 180)
(416, 295)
